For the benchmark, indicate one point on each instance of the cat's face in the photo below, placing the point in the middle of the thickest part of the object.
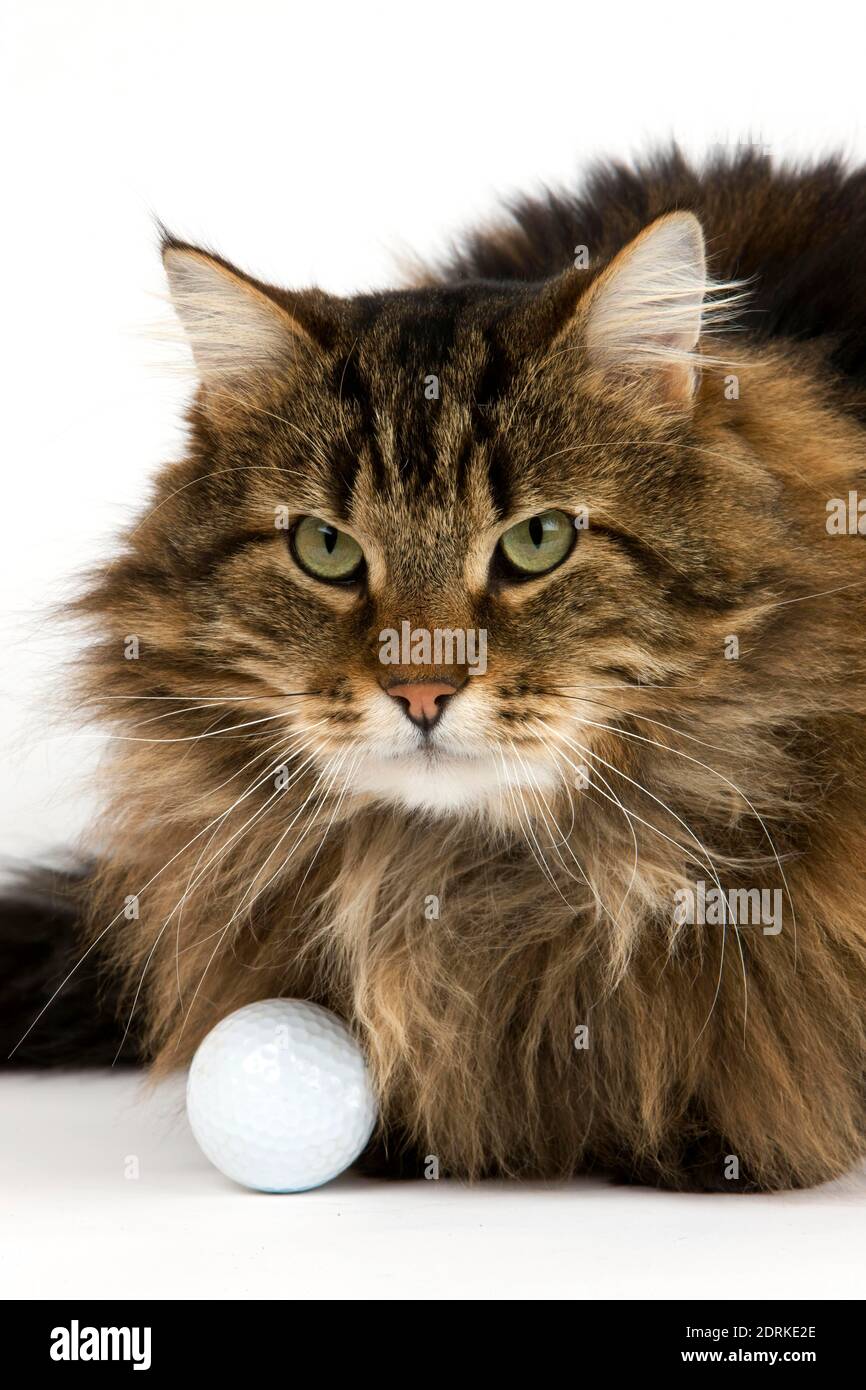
(441, 527)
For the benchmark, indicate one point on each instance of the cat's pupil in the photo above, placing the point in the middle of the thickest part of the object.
(536, 531)
(329, 536)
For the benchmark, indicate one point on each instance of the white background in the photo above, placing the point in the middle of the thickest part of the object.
(316, 143)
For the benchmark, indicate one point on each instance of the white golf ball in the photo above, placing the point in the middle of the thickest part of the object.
(279, 1097)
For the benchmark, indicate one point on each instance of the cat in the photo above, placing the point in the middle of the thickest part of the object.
(607, 433)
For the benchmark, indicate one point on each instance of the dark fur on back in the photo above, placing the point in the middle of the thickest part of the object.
(794, 234)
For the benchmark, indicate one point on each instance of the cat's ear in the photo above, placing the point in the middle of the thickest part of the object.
(645, 311)
(238, 333)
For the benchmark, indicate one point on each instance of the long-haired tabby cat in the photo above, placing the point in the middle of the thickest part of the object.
(597, 902)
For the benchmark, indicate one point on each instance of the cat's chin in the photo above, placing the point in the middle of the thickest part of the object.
(449, 785)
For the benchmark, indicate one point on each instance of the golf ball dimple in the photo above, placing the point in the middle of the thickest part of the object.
(279, 1096)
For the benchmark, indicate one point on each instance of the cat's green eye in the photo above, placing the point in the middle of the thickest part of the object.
(324, 552)
(539, 543)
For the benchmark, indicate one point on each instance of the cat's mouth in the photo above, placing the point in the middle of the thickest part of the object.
(441, 779)
(433, 754)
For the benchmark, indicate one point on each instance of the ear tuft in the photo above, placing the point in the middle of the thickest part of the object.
(236, 331)
(648, 307)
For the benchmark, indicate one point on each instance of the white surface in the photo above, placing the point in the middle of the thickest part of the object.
(71, 1224)
(278, 1096)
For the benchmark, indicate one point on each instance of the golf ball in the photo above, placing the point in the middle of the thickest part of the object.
(279, 1097)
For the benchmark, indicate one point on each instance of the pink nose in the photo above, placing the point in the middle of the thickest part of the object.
(423, 702)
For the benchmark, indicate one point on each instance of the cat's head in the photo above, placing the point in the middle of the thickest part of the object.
(438, 534)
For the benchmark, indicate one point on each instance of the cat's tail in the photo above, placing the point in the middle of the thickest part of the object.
(56, 1008)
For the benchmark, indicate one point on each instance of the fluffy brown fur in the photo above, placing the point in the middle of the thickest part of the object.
(707, 520)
